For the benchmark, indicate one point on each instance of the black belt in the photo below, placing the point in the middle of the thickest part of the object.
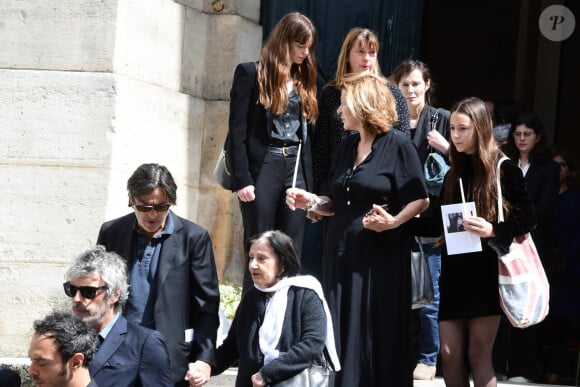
(285, 151)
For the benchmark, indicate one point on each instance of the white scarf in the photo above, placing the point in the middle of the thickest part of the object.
(271, 329)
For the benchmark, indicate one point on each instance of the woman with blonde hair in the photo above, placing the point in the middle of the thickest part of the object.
(375, 187)
(359, 53)
(272, 109)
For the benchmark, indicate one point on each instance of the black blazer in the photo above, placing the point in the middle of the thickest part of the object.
(187, 288)
(543, 184)
(249, 131)
(131, 355)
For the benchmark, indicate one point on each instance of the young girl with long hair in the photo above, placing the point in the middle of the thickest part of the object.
(469, 311)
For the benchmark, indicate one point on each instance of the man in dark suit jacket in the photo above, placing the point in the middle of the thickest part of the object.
(174, 287)
(129, 354)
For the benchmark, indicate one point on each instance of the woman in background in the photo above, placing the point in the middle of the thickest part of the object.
(563, 320)
(429, 129)
(359, 53)
(517, 350)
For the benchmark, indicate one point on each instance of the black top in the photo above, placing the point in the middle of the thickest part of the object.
(286, 125)
(330, 132)
(468, 283)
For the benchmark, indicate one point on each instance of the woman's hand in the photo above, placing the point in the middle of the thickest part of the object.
(437, 141)
(478, 226)
(257, 380)
(299, 198)
(313, 216)
(379, 220)
(247, 194)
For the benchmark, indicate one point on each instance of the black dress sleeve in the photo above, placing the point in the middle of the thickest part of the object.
(326, 124)
(402, 124)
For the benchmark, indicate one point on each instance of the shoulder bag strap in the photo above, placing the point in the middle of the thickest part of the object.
(499, 195)
(434, 119)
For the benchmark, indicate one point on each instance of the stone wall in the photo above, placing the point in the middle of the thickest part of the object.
(89, 90)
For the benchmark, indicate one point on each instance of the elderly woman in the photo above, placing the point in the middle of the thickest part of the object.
(282, 324)
(376, 186)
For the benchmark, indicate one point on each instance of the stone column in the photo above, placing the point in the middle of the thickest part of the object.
(89, 90)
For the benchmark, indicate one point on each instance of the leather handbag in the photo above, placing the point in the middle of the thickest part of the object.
(524, 291)
(222, 171)
(313, 376)
(421, 281)
(435, 166)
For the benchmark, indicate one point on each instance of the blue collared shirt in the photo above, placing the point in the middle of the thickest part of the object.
(105, 331)
(143, 273)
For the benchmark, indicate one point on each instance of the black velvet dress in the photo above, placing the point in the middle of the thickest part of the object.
(366, 275)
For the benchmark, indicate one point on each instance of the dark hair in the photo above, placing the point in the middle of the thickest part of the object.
(540, 151)
(70, 334)
(409, 65)
(570, 161)
(284, 248)
(109, 265)
(149, 177)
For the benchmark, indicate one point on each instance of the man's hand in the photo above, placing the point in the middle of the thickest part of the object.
(198, 373)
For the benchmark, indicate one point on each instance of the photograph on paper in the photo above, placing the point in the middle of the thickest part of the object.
(457, 240)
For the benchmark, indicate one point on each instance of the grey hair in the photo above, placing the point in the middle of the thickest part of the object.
(109, 265)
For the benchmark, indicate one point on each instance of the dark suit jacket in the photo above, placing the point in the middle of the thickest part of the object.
(187, 288)
(131, 355)
(543, 184)
(9, 378)
(249, 132)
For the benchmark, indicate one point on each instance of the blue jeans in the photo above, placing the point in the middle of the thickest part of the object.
(429, 331)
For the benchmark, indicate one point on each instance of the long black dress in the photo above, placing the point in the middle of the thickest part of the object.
(366, 274)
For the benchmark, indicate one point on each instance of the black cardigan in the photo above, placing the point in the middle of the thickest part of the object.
(302, 340)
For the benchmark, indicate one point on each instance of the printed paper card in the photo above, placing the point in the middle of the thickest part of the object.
(457, 240)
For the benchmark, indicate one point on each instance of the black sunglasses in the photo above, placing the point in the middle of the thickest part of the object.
(89, 292)
(157, 207)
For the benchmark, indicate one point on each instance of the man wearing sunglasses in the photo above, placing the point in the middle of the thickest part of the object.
(174, 287)
(129, 354)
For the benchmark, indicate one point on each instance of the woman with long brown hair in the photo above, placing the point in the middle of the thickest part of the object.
(469, 311)
(273, 106)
